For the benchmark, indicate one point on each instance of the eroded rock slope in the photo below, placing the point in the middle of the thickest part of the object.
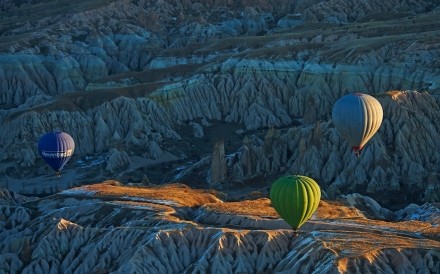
(140, 83)
(176, 229)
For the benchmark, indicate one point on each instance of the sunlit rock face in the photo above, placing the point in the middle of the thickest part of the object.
(146, 88)
(138, 83)
(172, 229)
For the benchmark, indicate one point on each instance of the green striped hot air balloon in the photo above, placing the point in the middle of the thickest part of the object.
(295, 198)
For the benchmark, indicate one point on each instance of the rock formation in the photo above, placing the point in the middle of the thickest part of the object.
(174, 228)
(146, 88)
(132, 75)
(218, 164)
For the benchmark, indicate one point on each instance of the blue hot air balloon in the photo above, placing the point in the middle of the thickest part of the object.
(56, 148)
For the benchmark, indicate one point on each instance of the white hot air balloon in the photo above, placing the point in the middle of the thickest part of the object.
(357, 117)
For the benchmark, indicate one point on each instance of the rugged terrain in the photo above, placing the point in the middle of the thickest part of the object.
(224, 95)
(150, 90)
(110, 228)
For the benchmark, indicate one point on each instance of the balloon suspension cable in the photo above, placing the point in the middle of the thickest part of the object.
(295, 232)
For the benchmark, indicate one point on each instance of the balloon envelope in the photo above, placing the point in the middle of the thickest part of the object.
(295, 198)
(56, 148)
(357, 117)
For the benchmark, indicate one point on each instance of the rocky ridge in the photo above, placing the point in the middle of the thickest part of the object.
(117, 229)
(128, 86)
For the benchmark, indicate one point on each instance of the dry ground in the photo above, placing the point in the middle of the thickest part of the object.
(179, 195)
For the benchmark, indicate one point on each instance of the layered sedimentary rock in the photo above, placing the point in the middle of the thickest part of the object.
(133, 122)
(138, 83)
(395, 160)
(111, 228)
(404, 147)
(100, 40)
(133, 76)
(402, 156)
(12, 198)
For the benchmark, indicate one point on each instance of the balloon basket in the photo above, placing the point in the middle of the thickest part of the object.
(297, 233)
(357, 151)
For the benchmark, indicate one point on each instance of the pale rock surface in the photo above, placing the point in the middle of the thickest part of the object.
(425, 213)
(24, 75)
(197, 130)
(154, 151)
(218, 164)
(139, 122)
(319, 152)
(314, 149)
(369, 206)
(117, 160)
(99, 228)
(12, 198)
(171, 68)
(93, 67)
(49, 60)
